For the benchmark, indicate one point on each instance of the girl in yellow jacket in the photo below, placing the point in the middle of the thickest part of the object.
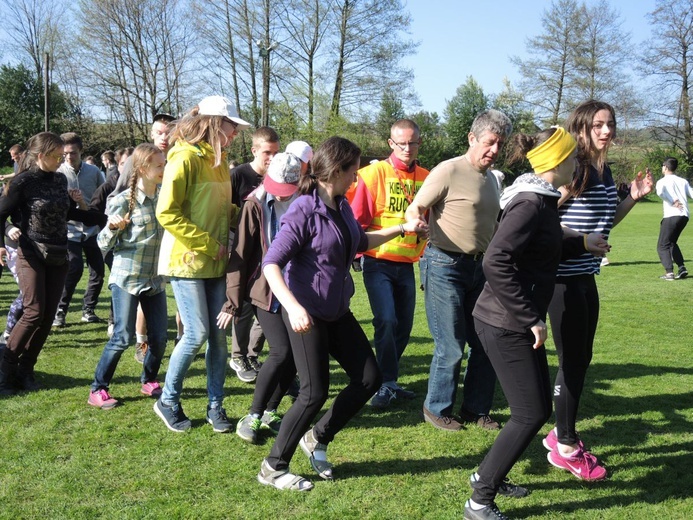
(196, 212)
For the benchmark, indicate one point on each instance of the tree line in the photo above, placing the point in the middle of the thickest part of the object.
(313, 68)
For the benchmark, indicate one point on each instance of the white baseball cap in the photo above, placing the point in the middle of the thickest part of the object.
(282, 175)
(221, 106)
(300, 149)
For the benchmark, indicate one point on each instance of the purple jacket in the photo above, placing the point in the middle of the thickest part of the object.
(311, 248)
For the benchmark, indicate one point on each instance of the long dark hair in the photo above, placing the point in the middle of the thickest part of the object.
(579, 124)
(41, 143)
(331, 159)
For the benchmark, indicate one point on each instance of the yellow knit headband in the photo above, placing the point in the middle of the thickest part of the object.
(551, 152)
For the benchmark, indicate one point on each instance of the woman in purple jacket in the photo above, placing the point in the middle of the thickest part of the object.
(318, 240)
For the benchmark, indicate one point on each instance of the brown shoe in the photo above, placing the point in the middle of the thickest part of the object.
(446, 422)
(482, 421)
(141, 351)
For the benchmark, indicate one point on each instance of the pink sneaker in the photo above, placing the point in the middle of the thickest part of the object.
(551, 441)
(102, 399)
(152, 389)
(582, 464)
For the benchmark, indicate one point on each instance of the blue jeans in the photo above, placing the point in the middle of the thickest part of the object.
(392, 294)
(199, 301)
(125, 313)
(452, 284)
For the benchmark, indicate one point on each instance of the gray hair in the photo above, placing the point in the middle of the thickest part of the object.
(492, 121)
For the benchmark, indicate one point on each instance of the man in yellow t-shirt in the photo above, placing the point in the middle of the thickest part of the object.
(383, 192)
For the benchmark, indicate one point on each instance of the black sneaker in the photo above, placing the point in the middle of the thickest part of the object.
(244, 371)
(383, 397)
(217, 418)
(507, 489)
(27, 381)
(173, 416)
(683, 272)
(403, 393)
(490, 512)
(88, 316)
(59, 320)
(255, 364)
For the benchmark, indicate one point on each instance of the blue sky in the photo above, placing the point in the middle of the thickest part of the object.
(461, 38)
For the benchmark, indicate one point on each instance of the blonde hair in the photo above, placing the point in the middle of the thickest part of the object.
(194, 128)
(141, 160)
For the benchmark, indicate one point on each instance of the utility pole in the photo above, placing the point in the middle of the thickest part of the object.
(46, 93)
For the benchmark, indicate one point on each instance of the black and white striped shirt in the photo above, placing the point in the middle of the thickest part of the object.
(592, 212)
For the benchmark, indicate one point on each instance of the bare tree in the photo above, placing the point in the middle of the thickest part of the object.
(368, 44)
(553, 62)
(135, 58)
(668, 59)
(304, 25)
(33, 30)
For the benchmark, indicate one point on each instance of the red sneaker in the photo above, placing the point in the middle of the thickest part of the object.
(582, 464)
(152, 389)
(102, 399)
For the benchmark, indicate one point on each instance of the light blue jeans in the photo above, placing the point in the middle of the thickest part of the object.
(199, 301)
(452, 284)
(124, 313)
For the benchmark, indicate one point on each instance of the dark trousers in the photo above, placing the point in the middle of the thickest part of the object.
(41, 286)
(667, 247)
(523, 373)
(574, 313)
(278, 371)
(346, 342)
(96, 273)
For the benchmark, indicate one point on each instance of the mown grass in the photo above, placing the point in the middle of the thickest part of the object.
(60, 458)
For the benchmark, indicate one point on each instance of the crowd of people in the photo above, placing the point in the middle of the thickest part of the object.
(267, 247)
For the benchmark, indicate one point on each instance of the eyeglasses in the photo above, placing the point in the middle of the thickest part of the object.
(232, 123)
(404, 146)
(57, 157)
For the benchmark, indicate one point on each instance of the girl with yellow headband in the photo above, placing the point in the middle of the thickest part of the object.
(520, 265)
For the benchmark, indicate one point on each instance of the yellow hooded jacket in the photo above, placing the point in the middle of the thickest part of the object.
(196, 212)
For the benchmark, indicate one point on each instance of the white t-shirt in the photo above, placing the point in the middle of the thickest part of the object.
(671, 188)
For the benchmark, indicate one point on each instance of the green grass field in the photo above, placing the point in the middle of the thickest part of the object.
(60, 458)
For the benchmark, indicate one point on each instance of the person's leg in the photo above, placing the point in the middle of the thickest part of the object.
(665, 245)
(312, 357)
(191, 300)
(74, 274)
(279, 370)
(524, 376)
(574, 313)
(405, 298)
(217, 350)
(479, 378)
(16, 307)
(124, 311)
(679, 225)
(153, 308)
(256, 340)
(348, 345)
(241, 331)
(444, 294)
(42, 287)
(96, 273)
(379, 280)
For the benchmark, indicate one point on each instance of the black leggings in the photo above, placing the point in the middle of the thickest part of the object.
(574, 313)
(523, 373)
(346, 342)
(278, 371)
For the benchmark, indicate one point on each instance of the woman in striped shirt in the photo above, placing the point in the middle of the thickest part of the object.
(588, 205)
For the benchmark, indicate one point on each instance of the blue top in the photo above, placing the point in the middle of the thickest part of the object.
(311, 250)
